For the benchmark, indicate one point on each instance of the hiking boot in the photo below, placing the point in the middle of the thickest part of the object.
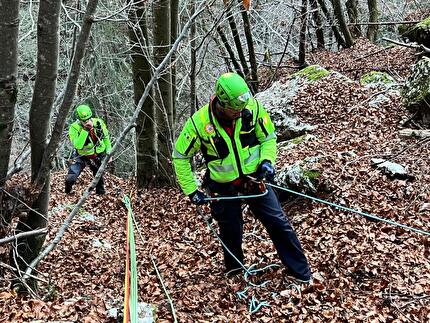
(68, 187)
(100, 190)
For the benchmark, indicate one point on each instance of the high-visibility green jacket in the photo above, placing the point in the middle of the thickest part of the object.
(226, 158)
(83, 142)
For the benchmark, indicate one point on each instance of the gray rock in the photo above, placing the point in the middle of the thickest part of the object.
(416, 90)
(389, 168)
(278, 102)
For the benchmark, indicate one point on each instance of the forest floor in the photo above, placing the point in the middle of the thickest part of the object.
(372, 271)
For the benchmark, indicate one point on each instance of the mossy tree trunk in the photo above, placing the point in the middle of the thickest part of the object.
(146, 136)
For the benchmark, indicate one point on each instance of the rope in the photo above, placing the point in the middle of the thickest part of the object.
(130, 297)
(254, 304)
(160, 278)
(237, 197)
(371, 216)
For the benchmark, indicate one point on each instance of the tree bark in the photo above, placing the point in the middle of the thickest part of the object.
(40, 114)
(253, 77)
(146, 136)
(163, 97)
(316, 16)
(338, 13)
(351, 9)
(372, 29)
(303, 26)
(9, 23)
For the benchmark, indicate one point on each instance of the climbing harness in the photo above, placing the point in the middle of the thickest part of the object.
(253, 188)
(371, 216)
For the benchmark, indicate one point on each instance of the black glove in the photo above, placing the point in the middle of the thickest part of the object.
(99, 130)
(198, 198)
(266, 170)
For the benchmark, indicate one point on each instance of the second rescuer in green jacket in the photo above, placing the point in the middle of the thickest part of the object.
(237, 138)
(90, 139)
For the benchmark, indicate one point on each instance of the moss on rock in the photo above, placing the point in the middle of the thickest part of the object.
(312, 73)
(376, 77)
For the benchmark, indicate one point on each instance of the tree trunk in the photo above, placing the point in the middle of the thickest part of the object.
(372, 29)
(69, 94)
(318, 23)
(230, 51)
(163, 97)
(40, 115)
(193, 31)
(9, 23)
(351, 9)
(336, 31)
(253, 77)
(338, 13)
(303, 26)
(174, 7)
(146, 136)
(237, 42)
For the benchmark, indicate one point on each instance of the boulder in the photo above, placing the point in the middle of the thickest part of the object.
(380, 81)
(419, 33)
(416, 90)
(278, 102)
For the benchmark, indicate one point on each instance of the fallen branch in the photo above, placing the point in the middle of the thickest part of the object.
(410, 45)
(23, 235)
(414, 133)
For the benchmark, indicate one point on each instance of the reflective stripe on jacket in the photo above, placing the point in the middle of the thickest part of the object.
(226, 158)
(84, 144)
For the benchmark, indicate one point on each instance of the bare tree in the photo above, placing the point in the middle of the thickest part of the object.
(253, 77)
(316, 16)
(9, 24)
(146, 136)
(40, 113)
(163, 97)
(303, 27)
(372, 29)
(352, 10)
(338, 12)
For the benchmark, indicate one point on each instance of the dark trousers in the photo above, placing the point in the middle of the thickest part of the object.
(78, 165)
(268, 211)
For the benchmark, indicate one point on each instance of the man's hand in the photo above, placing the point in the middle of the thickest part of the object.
(266, 170)
(198, 198)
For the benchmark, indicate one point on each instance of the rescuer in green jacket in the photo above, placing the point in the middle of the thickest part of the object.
(91, 143)
(237, 138)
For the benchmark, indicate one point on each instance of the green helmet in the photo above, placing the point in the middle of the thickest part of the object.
(83, 112)
(232, 90)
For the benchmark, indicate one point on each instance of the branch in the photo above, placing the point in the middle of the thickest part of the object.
(411, 45)
(23, 235)
(384, 23)
(121, 137)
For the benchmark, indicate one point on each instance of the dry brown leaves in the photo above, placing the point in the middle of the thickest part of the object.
(373, 271)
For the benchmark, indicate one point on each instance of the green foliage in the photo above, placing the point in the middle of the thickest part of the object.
(311, 174)
(312, 73)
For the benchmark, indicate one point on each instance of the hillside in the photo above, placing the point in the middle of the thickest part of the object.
(373, 271)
